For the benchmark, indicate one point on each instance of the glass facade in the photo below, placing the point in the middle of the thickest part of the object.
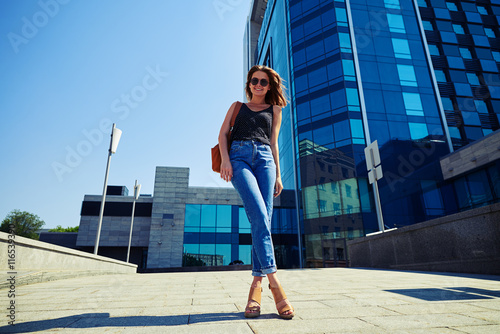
(419, 77)
(217, 235)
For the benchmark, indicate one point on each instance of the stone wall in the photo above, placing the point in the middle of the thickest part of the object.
(466, 242)
(36, 261)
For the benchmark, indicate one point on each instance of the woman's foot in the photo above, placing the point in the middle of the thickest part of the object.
(285, 309)
(252, 310)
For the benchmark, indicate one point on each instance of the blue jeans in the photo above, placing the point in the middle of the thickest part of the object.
(254, 177)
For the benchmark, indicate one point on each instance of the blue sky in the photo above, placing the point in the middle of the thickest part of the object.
(164, 71)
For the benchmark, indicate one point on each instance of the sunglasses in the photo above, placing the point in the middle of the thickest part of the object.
(263, 82)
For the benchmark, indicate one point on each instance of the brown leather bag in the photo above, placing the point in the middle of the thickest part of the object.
(216, 157)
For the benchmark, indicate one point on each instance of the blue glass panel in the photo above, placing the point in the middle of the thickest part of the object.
(338, 98)
(301, 83)
(413, 104)
(223, 250)
(433, 50)
(245, 253)
(489, 32)
(315, 50)
(317, 77)
(432, 198)
(399, 130)
(496, 56)
(341, 15)
(451, 6)
(429, 104)
(489, 65)
(345, 42)
(494, 92)
(192, 248)
(223, 217)
(299, 57)
(418, 130)
(348, 67)
(473, 132)
(369, 71)
(208, 216)
(193, 215)
(456, 62)
(465, 53)
(481, 106)
(440, 76)
(357, 128)
(394, 102)
(331, 43)
(482, 10)
(401, 48)
(341, 130)
(327, 18)
(442, 13)
(458, 29)
(396, 23)
(379, 131)
(471, 118)
(407, 75)
(352, 98)
(454, 132)
(334, 70)
(191, 238)
(463, 89)
(473, 78)
(207, 249)
(388, 73)
(473, 17)
(373, 101)
(244, 224)
(297, 33)
(427, 25)
(303, 111)
(448, 37)
(312, 25)
(447, 103)
(320, 105)
(481, 40)
(323, 135)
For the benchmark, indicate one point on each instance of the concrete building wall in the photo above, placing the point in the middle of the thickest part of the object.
(167, 219)
(475, 155)
(115, 231)
(467, 242)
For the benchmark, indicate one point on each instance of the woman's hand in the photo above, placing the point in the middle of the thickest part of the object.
(278, 187)
(226, 171)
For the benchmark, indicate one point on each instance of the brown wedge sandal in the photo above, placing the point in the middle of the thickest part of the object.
(282, 303)
(255, 296)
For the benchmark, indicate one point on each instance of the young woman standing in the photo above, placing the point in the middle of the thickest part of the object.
(252, 165)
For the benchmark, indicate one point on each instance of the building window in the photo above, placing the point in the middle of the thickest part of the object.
(396, 23)
(418, 131)
(434, 50)
(345, 42)
(407, 75)
(422, 3)
(452, 6)
(352, 99)
(489, 32)
(392, 4)
(401, 48)
(473, 79)
(427, 25)
(471, 118)
(440, 76)
(496, 56)
(348, 191)
(482, 10)
(481, 106)
(447, 103)
(458, 29)
(341, 16)
(348, 67)
(413, 104)
(466, 54)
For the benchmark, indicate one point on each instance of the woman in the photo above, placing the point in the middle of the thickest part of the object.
(252, 165)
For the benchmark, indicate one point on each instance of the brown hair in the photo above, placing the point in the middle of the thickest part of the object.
(276, 95)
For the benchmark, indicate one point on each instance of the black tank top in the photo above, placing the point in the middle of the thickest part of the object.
(255, 125)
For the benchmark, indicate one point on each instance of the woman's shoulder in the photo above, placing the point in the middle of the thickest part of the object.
(276, 109)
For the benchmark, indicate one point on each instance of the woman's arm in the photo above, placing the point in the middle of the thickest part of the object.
(275, 131)
(226, 170)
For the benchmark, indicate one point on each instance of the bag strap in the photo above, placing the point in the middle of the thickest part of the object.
(235, 113)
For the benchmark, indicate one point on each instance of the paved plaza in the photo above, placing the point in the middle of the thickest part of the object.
(336, 300)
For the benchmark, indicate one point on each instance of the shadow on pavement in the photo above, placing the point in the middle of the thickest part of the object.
(95, 320)
(441, 294)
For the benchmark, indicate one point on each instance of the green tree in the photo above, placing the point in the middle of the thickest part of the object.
(22, 223)
(59, 228)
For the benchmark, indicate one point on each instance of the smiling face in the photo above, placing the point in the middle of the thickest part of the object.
(259, 89)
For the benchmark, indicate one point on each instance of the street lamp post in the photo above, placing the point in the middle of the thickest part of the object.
(137, 189)
(113, 144)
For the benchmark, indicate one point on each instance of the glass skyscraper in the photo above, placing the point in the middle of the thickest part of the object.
(419, 77)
